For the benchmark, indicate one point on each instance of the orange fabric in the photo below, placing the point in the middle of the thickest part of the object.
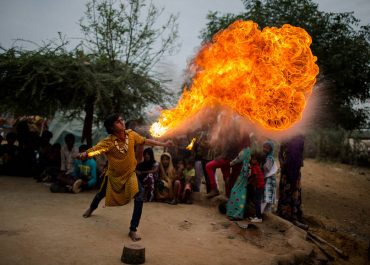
(122, 181)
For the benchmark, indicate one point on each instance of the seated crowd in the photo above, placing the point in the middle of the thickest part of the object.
(54, 164)
(249, 171)
(249, 175)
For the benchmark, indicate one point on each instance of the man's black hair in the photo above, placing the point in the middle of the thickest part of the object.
(109, 122)
(150, 152)
(82, 148)
(69, 136)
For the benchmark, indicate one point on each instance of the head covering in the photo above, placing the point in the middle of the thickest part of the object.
(169, 172)
(271, 145)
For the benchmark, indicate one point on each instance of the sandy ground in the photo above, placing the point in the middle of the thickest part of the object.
(339, 196)
(336, 199)
(39, 227)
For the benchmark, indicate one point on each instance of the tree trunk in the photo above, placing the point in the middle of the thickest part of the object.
(88, 122)
(133, 254)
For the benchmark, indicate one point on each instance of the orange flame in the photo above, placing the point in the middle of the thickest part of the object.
(266, 76)
(190, 146)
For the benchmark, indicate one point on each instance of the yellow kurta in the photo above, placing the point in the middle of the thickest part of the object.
(121, 179)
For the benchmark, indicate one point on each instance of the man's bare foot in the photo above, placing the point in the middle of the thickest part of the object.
(87, 213)
(134, 236)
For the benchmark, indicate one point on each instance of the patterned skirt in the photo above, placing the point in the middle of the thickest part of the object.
(290, 198)
(269, 195)
(148, 184)
(236, 204)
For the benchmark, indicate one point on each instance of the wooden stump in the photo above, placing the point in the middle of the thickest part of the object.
(133, 254)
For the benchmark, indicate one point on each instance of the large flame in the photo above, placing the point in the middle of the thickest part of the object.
(265, 76)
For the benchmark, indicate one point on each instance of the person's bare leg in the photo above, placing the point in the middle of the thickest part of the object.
(176, 191)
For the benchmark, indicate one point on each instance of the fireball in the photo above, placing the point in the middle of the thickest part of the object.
(265, 76)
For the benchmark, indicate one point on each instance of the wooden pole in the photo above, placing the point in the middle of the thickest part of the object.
(341, 253)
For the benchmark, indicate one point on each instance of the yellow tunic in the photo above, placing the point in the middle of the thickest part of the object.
(121, 177)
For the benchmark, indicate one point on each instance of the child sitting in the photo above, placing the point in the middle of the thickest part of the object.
(178, 182)
(84, 172)
(83, 176)
(257, 181)
(189, 178)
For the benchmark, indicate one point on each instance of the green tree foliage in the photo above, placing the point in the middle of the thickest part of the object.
(125, 31)
(43, 81)
(112, 69)
(341, 45)
(126, 44)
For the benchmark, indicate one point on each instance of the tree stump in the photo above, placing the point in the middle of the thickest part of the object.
(133, 254)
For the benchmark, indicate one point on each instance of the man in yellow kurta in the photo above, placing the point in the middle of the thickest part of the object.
(120, 183)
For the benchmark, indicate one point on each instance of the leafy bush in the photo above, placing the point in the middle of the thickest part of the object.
(337, 145)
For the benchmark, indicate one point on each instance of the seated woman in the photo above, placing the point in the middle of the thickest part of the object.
(167, 174)
(147, 173)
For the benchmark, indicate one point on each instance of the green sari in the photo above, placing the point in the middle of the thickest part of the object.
(236, 204)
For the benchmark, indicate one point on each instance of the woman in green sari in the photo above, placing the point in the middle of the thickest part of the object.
(236, 204)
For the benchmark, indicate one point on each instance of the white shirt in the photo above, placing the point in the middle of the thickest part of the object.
(67, 158)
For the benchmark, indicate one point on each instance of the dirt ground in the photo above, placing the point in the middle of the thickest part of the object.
(339, 196)
(39, 227)
(336, 203)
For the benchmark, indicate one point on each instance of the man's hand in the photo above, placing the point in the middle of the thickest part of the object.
(169, 143)
(82, 156)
